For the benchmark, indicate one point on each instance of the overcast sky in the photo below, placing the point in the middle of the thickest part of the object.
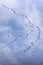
(21, 22)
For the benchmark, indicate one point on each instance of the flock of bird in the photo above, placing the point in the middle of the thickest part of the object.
(27, 33)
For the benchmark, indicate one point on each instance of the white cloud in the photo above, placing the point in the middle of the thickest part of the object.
(10, 3)
(28, 8)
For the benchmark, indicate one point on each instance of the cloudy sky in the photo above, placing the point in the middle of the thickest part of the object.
(21, 32)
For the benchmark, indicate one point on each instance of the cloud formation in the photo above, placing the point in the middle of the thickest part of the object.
(18, 19)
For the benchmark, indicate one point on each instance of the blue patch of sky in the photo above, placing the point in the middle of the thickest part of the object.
(16, 27)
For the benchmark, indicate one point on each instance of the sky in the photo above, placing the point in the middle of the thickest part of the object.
(21, 32)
